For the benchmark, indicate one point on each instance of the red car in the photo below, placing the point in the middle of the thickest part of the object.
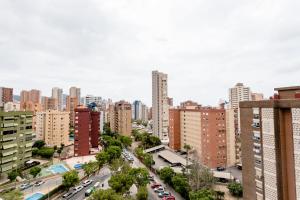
(169, 198)
(155, 185)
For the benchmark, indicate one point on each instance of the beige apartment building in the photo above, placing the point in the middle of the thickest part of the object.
(120, 118)
(230, 137)
(52, 126)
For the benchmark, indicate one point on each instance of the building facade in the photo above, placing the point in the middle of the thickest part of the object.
(87, 131)
(270, 131)
(75, 92)
(16, 137)
(238, 94)
(120, 118)
(160, 107)
(6, 95)
(52, 126)
(72, 104)
(57, 93)
(174, 129)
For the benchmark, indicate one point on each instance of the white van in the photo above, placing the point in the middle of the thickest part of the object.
(97, 184)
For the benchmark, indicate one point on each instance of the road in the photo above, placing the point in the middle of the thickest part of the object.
(152, 195)
(102, 177)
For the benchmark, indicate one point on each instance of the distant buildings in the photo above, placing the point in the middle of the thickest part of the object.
(160, 107)
(204, 129)
(92, 99)
(52, 126)
(73, 101)
(139, 111)
(270, 133)
(257, 96)
(238, 94)
(49, 103)
(6, 95)
(75, 92)
(30, 100)
(57, 94)
(11, 106)
(120, 118)
(87, 133)
(16, 139)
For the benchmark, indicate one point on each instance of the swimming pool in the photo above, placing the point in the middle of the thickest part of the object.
(78, 166)
(35, 196)
(58, 169)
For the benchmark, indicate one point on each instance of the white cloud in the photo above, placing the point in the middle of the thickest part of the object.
(109, 48)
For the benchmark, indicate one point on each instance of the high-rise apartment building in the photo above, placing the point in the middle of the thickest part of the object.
(231, 115)
(72, 104)
(257, 96)
(6, 95)
(137, 110)
(30, 100)
(238, 94)
(57, 93)
(270, 131)
(160, 107)
(52, 126)
(49, 103)
(87, 126)
(120, 118)
(16, 137)
(75, 92)
(204, 129)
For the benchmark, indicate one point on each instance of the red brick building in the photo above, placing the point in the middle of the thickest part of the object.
(87, 126)
(174, 129)
(6, 95)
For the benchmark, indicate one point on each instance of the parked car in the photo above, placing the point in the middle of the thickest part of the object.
(67, 195)
(89, 191)
(24, 186)
(169, 198)
(151, 178)
(164, 194)
(38, 183)
(77, 189)
(159, 189)
(155, 185)
(220, 169)
(97, 184)
(87, 182)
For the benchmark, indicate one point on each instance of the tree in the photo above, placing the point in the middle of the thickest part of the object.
(187, 148)
(70, 179)
(204, 194)
(46, 152)
(39, 144)
(35, 171)
(139, 152)
(148, 160)
(140, 176)
(55, 147)
(102, 159)
(235, 189)
(114, 152)
(59, 152)
(166, 174)
(105, 195)
(121, 183)
(116, 165)
(181, 185)
(90, 167)
(12, 195)
(12, 175)
(126, 141)
(142, 193)
(200, 177)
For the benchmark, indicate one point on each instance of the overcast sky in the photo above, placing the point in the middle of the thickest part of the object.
(109, 47)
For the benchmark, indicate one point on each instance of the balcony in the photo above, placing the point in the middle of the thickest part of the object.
(8, 152)
(8, 145)
(9, 137)
(28, 155)
(27, 132)
(28, 144)
(6, 167)
(8, 159)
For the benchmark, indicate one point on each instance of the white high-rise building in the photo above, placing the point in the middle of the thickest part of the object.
(160, 107)
(237, 94)
(57, 93)
(75, 92)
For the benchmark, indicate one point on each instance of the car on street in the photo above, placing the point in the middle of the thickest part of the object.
(78, 189)
(164, 194)
(97, 184)
(89, 191)
(67, 195)
(39, 183)
(159, 189)
(220, 169)
(24, 186)
(87, 182)
(155, 185)
(151, 178)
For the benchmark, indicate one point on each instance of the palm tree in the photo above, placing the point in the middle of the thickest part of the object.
(187, 147)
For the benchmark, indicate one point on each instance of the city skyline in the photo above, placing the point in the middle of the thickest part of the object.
(113, 47)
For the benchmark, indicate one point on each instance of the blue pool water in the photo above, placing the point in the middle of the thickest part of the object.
(35, 196)
(58, 169)
(78, 166)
